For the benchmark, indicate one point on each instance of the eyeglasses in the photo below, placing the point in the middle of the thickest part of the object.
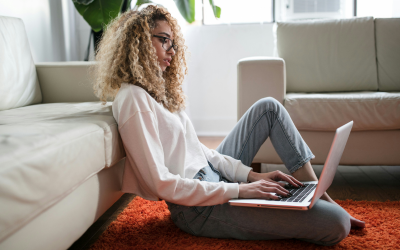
(167, 43)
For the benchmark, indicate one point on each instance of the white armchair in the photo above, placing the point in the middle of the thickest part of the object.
(330, 72)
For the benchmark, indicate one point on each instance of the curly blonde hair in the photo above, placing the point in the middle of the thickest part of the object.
(126, 55)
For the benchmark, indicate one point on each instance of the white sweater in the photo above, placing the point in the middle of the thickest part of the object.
(163, 154)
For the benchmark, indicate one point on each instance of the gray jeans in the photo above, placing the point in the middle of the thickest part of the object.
(324, 224)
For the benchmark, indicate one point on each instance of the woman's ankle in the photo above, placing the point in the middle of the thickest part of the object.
(327, 198)
(305, 173)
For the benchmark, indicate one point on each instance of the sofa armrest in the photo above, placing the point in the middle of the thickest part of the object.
(65, 82)
(259, 77)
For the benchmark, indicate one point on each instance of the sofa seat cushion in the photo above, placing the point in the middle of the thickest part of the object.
(68, 113)
(48, 150)
(327, 112)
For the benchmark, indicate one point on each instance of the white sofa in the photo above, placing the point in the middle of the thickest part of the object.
(327, 73)
(61, 157)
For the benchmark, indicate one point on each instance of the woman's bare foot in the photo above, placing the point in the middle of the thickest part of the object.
(355, 223)
(306, 173)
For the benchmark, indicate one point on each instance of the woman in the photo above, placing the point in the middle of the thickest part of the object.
(141, 63)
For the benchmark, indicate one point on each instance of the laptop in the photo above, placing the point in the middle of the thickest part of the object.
(305, 197)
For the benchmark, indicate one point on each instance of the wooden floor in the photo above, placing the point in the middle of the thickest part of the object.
(372, 183)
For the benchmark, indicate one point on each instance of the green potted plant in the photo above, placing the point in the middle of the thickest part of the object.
(98, 13)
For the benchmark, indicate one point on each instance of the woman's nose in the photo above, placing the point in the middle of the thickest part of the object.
(171, 51)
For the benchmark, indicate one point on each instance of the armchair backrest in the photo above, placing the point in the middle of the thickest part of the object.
(328, 55)
(387, 35)
(19, 85)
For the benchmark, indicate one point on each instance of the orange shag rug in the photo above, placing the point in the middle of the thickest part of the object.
(147, 225)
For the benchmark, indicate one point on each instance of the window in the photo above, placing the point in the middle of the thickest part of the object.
(288, 10)
(378, 8)
(266, 11)
(239, 11)
(171, 6)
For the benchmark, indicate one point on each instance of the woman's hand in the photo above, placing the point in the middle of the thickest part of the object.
(274, 177)
(262, 189)
(264, 184)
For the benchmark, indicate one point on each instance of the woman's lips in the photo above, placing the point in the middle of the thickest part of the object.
(167, 62)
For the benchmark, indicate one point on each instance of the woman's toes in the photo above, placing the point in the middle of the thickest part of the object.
(356, 223)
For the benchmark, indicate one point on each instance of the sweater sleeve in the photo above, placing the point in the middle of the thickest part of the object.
(229, 167)
(143, 147)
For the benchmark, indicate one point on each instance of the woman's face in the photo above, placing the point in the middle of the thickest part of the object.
(164, 57)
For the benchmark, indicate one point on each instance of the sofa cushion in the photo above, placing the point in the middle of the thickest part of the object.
(48, 150)
(19, 85)
(387, 35)
(328, 55)
(71, 113)
(327, 112)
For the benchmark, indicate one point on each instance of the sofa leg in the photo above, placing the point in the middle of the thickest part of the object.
(256, 167)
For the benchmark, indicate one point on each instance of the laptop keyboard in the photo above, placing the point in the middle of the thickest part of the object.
(299, 194)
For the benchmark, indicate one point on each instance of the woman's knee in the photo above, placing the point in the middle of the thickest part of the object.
(338, 226)
(269, 102)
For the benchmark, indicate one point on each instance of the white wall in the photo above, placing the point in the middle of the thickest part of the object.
(82, 32)
(57, 32)
(211, 82)
(37, 19)
(49, 25)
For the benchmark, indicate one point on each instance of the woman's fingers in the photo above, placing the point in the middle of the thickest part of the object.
(273, 187)
(267, 196)
(290, 179)
(263, 189)
(281, 184)
(271, 196)
(294, 181)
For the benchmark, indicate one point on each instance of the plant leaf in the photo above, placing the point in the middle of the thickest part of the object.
(140, 2)
(186, 8)
(216, 9)
(128, 6)
(99, 13)
(85, 2)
